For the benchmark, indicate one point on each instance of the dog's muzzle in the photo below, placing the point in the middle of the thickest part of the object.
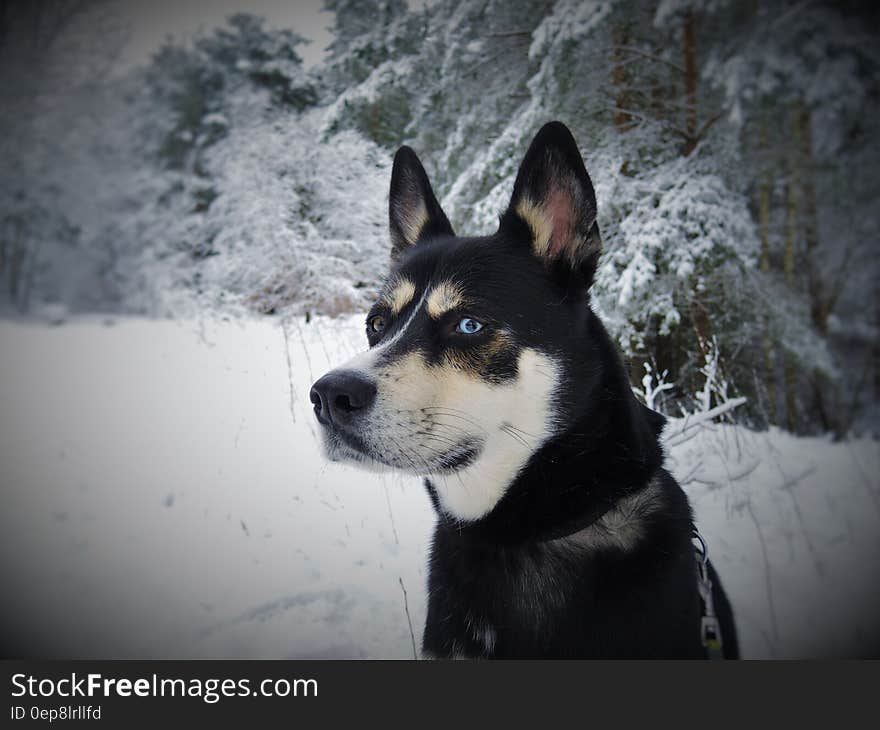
(341, 396)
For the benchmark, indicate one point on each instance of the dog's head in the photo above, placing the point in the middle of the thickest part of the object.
(479, 347)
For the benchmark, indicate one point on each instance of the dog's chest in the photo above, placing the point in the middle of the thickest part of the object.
(484, 599)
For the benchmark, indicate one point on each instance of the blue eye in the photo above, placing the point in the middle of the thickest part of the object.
(469, 326)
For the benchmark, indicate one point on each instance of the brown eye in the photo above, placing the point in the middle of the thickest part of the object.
(376, 324)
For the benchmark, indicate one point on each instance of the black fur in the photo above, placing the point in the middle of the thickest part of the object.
(517, 582)
(409, 187)
(503, 569)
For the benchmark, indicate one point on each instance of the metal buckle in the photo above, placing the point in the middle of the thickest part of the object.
(710, 631)
(711, 637)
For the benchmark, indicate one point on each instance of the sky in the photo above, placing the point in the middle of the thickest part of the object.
(152, 21)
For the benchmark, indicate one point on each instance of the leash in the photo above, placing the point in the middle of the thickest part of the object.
(710, 631)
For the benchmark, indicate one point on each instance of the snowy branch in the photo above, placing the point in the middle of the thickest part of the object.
(675, 436)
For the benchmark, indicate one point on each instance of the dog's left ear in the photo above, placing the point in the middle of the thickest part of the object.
(554, 203)
(413, 210)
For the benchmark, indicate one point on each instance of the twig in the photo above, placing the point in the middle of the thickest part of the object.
(628, 112)
(793, 481)
(682, 439)
(787, 485)
(483, 62)
(865, 480)
(743, 472)
(767, 579)
(789, 14)
(700, 133)
(696, 136)
(839, 278)
(691, 475)
(699, 418)
(323, 345)
(509, 33)
(390, 513)
(289, 373)
(305, 349)
(408, 619)
(731, 476)
(649, 56)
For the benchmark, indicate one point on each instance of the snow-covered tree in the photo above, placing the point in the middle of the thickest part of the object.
(733, 148)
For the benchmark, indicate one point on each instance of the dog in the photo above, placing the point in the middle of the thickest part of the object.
(559, 533)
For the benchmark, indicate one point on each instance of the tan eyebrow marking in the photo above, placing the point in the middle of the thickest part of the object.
(401, 294)
(444, 297)
(476, 361)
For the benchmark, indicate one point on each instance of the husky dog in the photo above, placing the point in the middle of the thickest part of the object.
(559, 533)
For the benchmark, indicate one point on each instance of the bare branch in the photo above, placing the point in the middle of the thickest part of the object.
(628, 112)
(707, 125)
(649, 56)
(408, 619)
(839, 276)
(672, 438)
(790, 13)
(483, 62)
(510, 34)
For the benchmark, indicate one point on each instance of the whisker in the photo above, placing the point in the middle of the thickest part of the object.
(519, 430)
(405, 453)
(441, 439)
(450, 428)
(515, 436)
(453, 413)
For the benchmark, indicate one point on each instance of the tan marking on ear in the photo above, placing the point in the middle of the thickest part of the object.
(443, 298)
(412, 222)
(542, 228)
(400, 295)
(552, 228)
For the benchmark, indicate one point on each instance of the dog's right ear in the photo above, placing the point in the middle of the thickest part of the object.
(554, 204)
(413, 210)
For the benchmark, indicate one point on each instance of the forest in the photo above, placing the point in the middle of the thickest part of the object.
(733, 147)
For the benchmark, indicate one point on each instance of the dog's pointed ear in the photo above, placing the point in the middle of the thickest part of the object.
(554, 204)
(413, 210)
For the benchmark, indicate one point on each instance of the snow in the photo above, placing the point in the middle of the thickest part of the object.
(792, 525)
(160, 499)
(165, 496)
(292, 223)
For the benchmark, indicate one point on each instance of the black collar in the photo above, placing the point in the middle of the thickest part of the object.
(510, 524)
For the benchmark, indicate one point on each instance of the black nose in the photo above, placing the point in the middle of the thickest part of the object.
(340, 395)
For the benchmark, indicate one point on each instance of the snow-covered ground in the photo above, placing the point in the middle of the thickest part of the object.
(164, 495)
